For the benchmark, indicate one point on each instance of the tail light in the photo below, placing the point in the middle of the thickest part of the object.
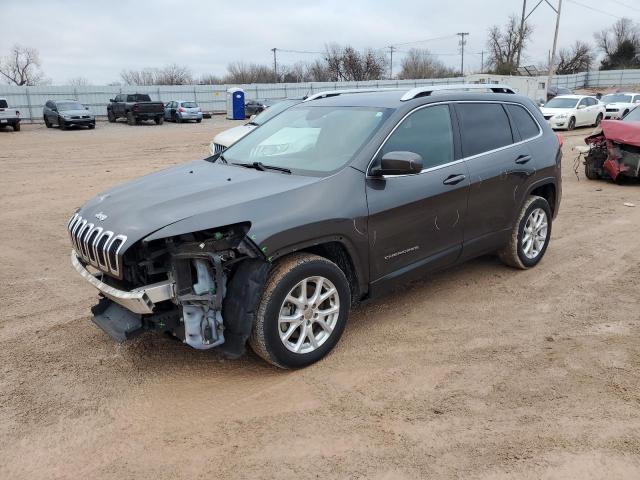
(560, 139)
(17, 113)
(180, 109)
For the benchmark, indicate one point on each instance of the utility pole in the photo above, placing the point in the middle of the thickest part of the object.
(462, 44)
(275, 65)
(521, 31)
(391, 49)
(552, 64)
(482, 61)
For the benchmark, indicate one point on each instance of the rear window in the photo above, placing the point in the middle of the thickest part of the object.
(484, 127)
(189, 104)
(3, 104)
(525, 124)
(138, 98)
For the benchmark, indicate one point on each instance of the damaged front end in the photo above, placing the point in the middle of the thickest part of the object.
(202, 288)
(615, 152)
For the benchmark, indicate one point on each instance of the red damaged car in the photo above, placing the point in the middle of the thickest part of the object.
(615, 152)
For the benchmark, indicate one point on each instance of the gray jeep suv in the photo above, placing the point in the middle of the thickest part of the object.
(329, 203)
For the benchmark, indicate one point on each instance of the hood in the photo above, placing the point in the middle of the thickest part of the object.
(627, 133)
(220, 194)
(555, 111)
(75, 112)
(231, 136)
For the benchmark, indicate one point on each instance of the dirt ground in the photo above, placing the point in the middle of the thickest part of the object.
(480, 372)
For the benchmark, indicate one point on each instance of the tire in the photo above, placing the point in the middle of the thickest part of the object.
(199, 120)
(598, 120)
(92, 126)
(590, 170)
(513, 253)
(287, 277)
(572, 124)
(159, 120)
(131, 119)
(111, 116)
(47, 123)
(178, 118)
(16, 127)
(61, 124)
(624, 113)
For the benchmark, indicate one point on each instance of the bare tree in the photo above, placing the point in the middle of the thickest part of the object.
(318, 71)
(172, 74)
(242, 72)
(210, 79)
(577, 58)
(347, 64)
(22, 66)
(419, 63)
(620, 45)
(504, 44)
(78, 82)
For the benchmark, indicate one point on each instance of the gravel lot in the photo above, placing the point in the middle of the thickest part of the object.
(477, 372)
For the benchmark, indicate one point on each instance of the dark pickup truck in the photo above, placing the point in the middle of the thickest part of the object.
(135, 107)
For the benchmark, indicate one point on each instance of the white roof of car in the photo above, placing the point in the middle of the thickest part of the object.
(573, 96)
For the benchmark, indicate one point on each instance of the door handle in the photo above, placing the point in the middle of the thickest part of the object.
(522, 159)
(453, 179)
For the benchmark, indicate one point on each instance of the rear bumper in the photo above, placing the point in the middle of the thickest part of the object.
(147, 115)
(140, 300)
(9, 121)
(191, 116)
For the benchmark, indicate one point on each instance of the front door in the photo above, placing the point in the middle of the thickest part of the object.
(416, 221)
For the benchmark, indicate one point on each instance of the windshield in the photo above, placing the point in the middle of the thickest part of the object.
(617, 98)
(276, 109)
(3, 104)
(62, 106)
(559, 102)
(140, 97)
(309, 140)
(189, 104)
(632, 116)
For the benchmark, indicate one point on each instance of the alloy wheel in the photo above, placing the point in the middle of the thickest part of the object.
(534, 235)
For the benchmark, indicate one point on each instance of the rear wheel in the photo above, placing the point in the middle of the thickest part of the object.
(302, 312)
(92, 126)
(590, 170)
(131, 119)
(159, 120)
(530, 235)
(598, 120)
(16, 127)
(572, 123)
(110, 116)
(198, 120)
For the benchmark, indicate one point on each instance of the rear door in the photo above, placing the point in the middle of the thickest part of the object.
(499, 166)
(416, 221)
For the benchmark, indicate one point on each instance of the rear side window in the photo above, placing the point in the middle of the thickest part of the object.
(484, 127)
(3, 104)
(427, 132)
(525, 124)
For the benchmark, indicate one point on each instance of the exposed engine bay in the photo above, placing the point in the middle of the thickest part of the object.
(200, 268)
(615, 152)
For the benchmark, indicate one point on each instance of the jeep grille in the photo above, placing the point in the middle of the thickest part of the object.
(97, 246)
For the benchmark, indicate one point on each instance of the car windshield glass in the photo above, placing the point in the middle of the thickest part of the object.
(558, 102)
(616, 98)
(633, 115)
(274, 110)
(309, 140)
(189, 104)
(3, 104)
(138, 98)
(70, 106)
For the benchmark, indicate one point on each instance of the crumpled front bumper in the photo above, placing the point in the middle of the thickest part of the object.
(140, 300)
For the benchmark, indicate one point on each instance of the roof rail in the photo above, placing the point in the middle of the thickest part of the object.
(335, 93)
(426, 91)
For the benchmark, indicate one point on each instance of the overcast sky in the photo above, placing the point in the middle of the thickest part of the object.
(98, 39)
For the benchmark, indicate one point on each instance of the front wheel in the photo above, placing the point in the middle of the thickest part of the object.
(572, 123)
(131, 119)
(111, 116)
(61, 124)
(302, 312)
(47, 123)
(530, 235)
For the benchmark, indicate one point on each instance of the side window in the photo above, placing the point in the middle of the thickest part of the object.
(483, 126)
(583, 102)
(427, 132)
(636, 99)
(118, 98)
(523, 121)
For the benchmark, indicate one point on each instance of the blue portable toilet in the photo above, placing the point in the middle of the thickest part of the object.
(235, 104)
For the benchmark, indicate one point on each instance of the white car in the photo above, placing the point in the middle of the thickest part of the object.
(570, 111)
(9, 116)
(228, 137)
(619, 104)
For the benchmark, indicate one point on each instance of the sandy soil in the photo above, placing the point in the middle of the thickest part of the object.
(480, 372)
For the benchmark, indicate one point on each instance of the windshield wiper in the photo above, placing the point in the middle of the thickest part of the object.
(262, 167)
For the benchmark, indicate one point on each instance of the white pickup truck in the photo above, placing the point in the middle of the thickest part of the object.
(9, 116)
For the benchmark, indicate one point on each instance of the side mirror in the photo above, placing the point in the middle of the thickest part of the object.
(112, 100)
(580, 107)
(399, 163)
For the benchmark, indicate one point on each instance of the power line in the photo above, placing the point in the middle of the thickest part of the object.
(299, 51)
(625, 5)
(422, 41)
(594, 9)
